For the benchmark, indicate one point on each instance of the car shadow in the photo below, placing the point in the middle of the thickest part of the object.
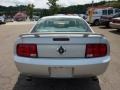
(115, 32)
(56, 84)
(104, 27)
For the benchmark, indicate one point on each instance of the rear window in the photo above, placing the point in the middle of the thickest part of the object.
(117, 10)
(116, 15)
(61, 25)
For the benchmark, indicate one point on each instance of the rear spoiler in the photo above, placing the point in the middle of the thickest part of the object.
(39, 34)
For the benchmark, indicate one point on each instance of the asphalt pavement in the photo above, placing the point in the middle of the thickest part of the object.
(11, 79)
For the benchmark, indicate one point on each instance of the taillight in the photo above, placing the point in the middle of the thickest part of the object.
(27, 50)
(95, 50)
(115, 21)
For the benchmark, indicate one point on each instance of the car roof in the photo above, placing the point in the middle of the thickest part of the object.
(62, 16)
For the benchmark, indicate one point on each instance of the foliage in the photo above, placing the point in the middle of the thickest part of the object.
(30, 9)
(116, 4)
(54, 7)
(11, 10)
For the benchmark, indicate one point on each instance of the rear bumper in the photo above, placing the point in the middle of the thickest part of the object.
(81, 67)
(114, 25)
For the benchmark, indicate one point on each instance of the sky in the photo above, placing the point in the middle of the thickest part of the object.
(42, 3)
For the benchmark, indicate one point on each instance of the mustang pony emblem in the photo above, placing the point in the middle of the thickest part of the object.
(61, 50)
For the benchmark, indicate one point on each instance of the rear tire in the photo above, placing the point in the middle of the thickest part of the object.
(95, 78)
(28, 78)
(107, 25)
(118, 30)
(96, 22)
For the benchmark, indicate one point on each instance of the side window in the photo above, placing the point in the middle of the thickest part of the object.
(104, 12)
(110, 11)
(118, 15)
(117, 10)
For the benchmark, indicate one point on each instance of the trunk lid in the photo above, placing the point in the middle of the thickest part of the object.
(62, 45)
(116, 20)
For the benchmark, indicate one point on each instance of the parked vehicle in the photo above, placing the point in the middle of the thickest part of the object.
(115, 23)
(9, 19)
(35, 18)
(95, 13)
(62, 47)
(20, 16)
(105, 20)
(2, 20)
(83, 16)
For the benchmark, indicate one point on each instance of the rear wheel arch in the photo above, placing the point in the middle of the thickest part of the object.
(96, 22)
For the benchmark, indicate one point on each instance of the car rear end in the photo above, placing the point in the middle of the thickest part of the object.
(115, 23)
(62, 54)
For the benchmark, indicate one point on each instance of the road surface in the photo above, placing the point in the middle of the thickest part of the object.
(10, 78)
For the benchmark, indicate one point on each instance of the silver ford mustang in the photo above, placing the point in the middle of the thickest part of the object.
(62, 47)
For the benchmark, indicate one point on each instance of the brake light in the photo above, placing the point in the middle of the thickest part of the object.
(95, 50)
(27, 50)
(115, 21)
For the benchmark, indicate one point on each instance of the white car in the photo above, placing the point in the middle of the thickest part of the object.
(83, 16)
(62, 47)
(2, 20)
(94, 14)
(115, 23)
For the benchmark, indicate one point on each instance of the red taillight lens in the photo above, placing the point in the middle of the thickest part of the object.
(115, 21)
(95, 50)
(27, 50)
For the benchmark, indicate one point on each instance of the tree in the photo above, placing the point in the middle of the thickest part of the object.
(114, 3)
(30, 9)
(54, 7)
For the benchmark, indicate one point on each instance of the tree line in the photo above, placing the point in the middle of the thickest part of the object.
(54, 8)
